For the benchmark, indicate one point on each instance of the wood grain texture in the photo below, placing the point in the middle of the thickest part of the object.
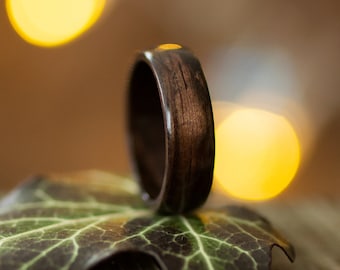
(171, 129)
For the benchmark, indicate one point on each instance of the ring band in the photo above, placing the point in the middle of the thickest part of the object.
(171, 129)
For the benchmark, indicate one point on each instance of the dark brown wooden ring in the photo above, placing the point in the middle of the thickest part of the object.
(171, 129)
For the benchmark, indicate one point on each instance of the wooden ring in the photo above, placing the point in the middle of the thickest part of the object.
(171, 129)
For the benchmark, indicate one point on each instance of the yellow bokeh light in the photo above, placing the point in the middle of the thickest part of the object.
(169, 46)
(52, 22)
(257, 154)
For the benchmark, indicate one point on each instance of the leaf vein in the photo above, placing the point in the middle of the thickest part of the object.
(199, 242)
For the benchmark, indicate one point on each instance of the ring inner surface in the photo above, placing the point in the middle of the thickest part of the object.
(147, 133)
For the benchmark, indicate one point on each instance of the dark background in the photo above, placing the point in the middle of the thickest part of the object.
(63, 109)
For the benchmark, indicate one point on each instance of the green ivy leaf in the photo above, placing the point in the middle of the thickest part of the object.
(95, 220)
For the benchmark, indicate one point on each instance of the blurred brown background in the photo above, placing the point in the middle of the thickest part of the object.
(62, 108)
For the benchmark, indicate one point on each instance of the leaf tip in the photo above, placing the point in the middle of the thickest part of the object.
(288, 250)
(23, 190)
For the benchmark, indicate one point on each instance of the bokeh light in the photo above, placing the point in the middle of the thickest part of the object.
(257, 154)
(169, 46)
(52, 22)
